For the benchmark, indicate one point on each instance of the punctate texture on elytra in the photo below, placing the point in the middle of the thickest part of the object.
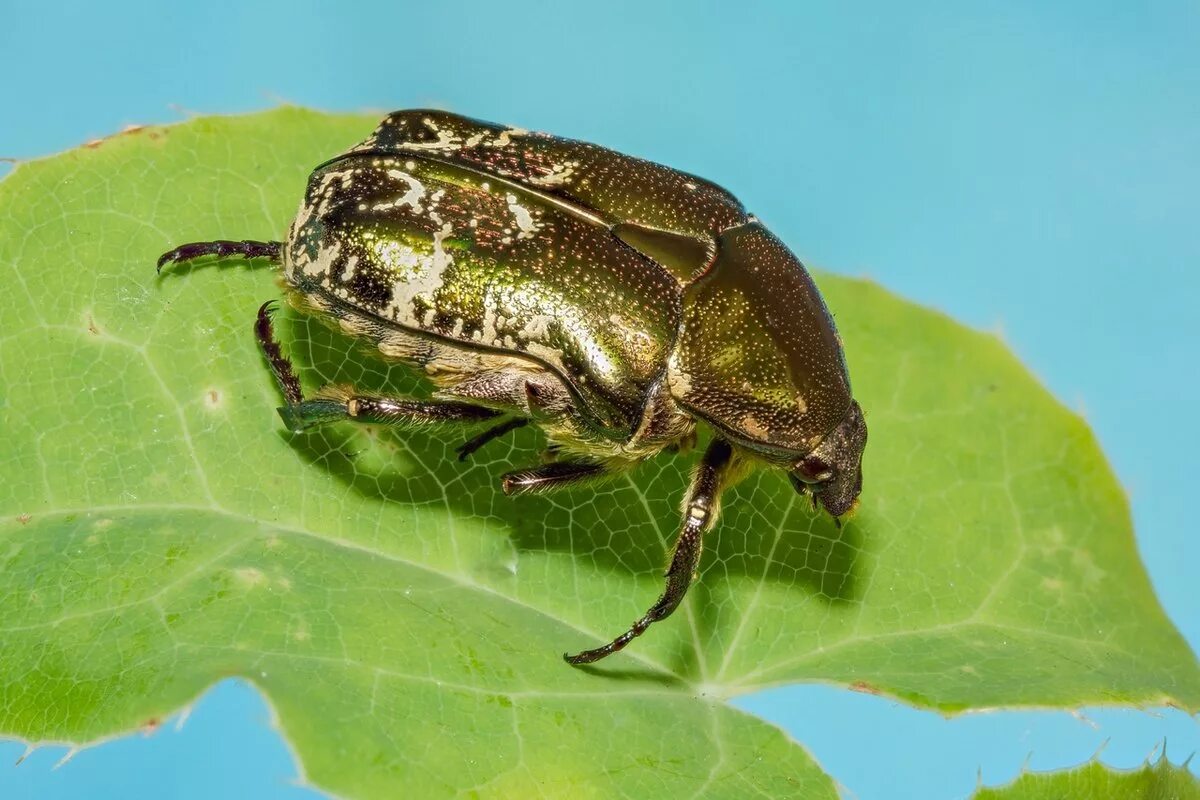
(158, 532)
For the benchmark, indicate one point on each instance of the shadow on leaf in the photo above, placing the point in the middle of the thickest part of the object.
(768, 532)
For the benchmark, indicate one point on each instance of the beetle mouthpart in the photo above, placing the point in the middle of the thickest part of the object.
(842, 449)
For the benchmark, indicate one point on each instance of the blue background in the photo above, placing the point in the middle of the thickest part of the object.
(1021, 165)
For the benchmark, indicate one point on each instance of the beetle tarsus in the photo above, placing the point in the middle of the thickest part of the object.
(299, 417)
(222, 248)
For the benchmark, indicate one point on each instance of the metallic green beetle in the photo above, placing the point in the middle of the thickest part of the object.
(611, 301)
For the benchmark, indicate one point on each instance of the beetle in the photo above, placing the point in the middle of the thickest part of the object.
(612, 302)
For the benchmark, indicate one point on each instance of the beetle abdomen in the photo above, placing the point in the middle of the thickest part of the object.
(443, 251)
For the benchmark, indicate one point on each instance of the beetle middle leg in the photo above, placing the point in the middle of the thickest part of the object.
(699, 516)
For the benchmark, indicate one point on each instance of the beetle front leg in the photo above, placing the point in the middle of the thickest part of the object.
(699, 515)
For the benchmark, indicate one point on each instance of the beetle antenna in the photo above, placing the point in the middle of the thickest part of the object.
(222, 248)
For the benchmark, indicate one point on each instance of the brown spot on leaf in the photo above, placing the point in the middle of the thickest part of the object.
(154, 133)
(865, 688)
(24, 518)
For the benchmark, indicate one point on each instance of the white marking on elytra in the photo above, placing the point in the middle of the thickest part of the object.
(505, 137)
(752, 426)
(322, 194)
(434, 200)
(560, 174)
(323, 263)
(420, 275)
(411, 198)
(441, 259)
(446, 141)
(524, 219)
(348, 272)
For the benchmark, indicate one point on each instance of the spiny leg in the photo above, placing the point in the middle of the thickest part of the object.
(553, 476)
(474, 443)
(222, 248)
(281, 367)
(699, 515)
(334, 403)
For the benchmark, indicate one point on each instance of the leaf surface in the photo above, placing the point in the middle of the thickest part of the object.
(1095, 781)
(159, 531)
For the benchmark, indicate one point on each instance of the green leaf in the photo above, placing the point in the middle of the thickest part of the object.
(159, 531)
(1095, 781)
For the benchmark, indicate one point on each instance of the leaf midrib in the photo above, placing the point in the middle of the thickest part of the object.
(713, 691)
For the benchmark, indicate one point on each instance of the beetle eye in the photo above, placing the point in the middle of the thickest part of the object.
(812, 469)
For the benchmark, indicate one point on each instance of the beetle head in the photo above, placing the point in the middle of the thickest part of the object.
(832, 472)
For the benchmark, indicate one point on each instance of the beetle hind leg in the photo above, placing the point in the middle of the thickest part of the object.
(281, 365)
(222, 248)
(336, 403)
(699, 516)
